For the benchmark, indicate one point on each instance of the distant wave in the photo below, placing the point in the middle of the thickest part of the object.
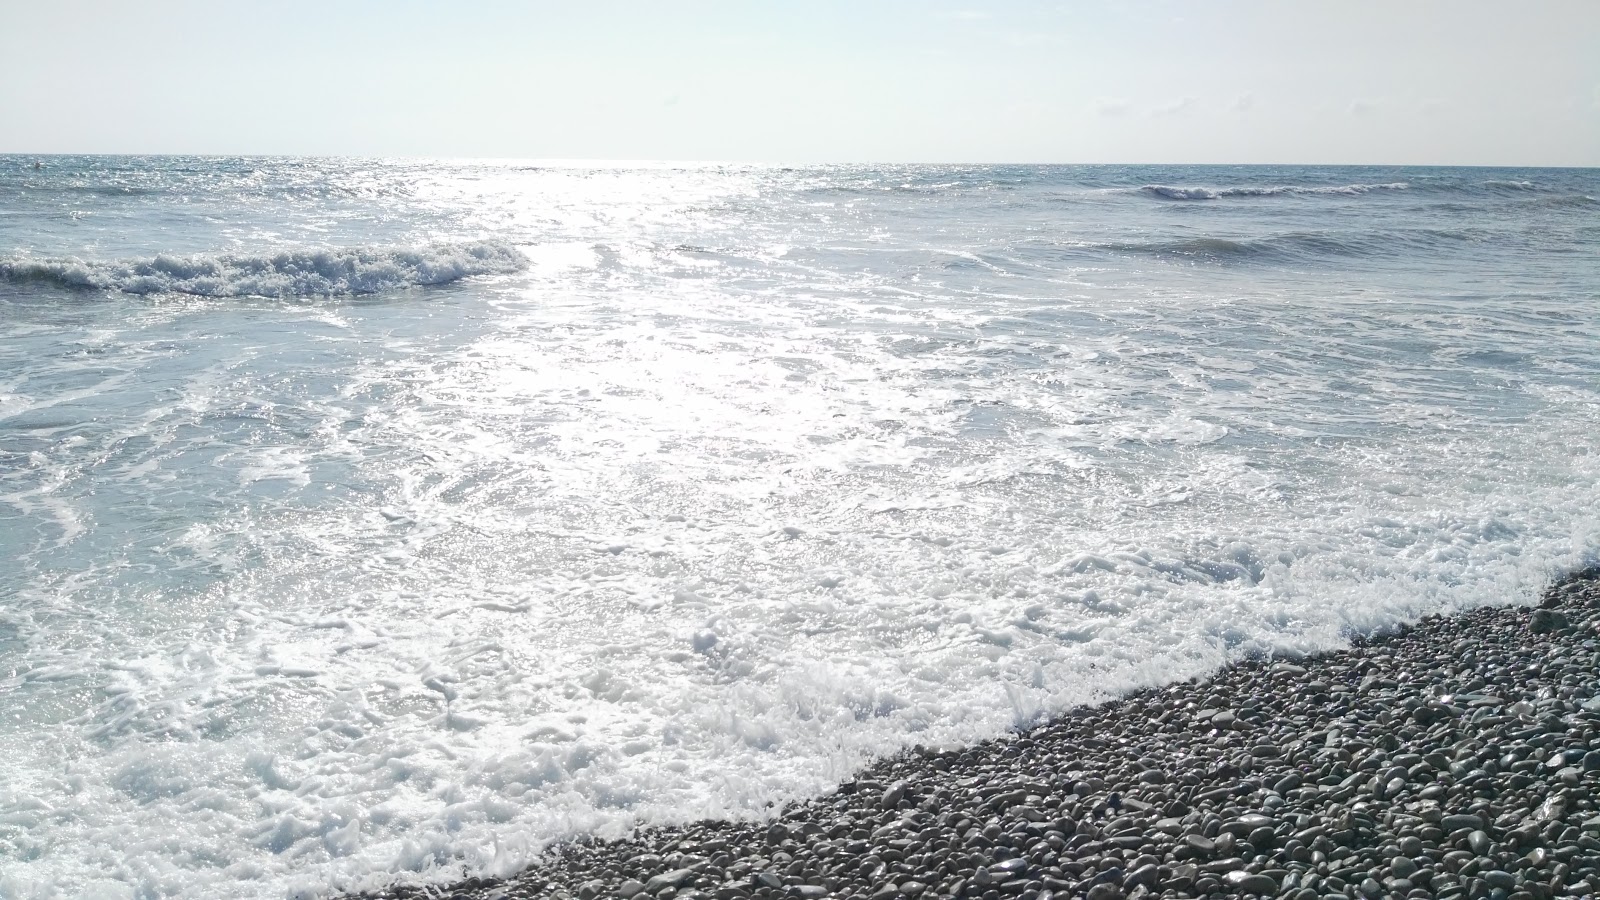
(1297, 245)
(1503, 185)
(291, 273)
(1570, 200)
(1167, 192)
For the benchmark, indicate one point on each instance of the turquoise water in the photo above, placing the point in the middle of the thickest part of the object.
(382, 519)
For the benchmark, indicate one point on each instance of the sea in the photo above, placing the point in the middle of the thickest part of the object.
(377, 520)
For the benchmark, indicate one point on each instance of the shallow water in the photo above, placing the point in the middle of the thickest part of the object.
(368, 519)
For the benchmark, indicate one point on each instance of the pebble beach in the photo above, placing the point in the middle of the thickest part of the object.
(1455, 758)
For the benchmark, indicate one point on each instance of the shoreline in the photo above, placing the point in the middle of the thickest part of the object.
(1455, 758)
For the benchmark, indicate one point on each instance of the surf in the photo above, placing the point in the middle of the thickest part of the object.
(287, 273)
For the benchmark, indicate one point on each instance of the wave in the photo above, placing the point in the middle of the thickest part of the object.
(1297, 245)
(1167, 192)
(1507, 185)
(1579, 200)
(291, 273)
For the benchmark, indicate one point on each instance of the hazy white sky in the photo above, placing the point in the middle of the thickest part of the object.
(1353, 81)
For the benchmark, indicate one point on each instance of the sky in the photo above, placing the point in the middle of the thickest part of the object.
(1440, 82)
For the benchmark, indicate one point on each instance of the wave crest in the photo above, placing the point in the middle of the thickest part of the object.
(1167, 192)
(291, 273)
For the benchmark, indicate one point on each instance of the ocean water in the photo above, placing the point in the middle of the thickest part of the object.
(365, 520)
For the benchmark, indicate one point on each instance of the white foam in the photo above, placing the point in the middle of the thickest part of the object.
(1205, 193)
(296, 273)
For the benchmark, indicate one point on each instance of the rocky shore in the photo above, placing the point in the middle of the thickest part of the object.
(1454, 759)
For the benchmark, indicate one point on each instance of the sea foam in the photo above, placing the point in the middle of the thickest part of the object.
(288, 273)
(1167, 192)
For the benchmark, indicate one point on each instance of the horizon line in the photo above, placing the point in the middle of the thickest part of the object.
(622, 162)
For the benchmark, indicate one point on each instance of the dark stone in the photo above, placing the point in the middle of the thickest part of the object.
(1247, 883)
(1545, 621)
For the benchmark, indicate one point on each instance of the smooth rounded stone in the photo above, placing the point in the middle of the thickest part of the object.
(672, 879)
(1499, 878)
(632, 888)
(1402, 867)
(1478, 842)
(1104, 892)
(1459, 821)
(1009, 867)
(1545, 621)
(1199, 844)
(893, 794)
(1249, 822)
(1148, 875)
(1251, 883)
(1563, 758)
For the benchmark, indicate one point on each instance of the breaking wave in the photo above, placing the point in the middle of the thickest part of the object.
(1167, 192)
(1509, 185)
(291, 273)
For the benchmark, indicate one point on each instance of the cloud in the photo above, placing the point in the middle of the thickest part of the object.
(1112, 107)
(1243, 103)
(1176, 107)
(1360, 107)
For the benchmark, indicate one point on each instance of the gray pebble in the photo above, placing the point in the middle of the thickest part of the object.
(1248, 883)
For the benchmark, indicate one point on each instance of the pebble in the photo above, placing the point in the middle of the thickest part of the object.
(1499, 879)
(1457, 759)
(1250, 883)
